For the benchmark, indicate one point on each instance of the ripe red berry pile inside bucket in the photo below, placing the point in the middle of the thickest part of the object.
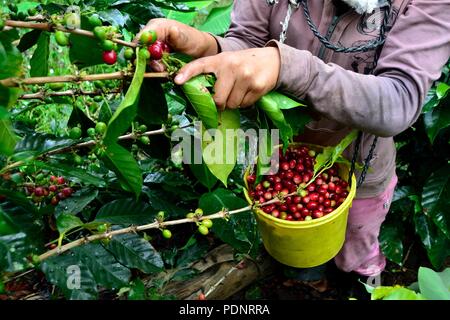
(313, 200)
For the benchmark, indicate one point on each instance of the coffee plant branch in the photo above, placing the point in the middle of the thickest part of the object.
(87, 144)
(45, 26)
(94, 142)
(43, 94)
(15, 82)
(223, 214)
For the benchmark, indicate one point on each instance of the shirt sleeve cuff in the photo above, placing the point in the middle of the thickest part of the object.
(295, 69)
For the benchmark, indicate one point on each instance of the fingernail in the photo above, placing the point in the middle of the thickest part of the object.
(179, 78)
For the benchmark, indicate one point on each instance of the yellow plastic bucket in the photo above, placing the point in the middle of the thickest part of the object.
(305, 244)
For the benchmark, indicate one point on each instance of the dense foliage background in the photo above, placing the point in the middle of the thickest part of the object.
(118, 185)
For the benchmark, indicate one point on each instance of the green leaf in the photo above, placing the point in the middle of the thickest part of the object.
(202, 101)
(7, 137)
(135, 252)
(218, 21)
(265, 147)
(431, 103)
(19, 199)
(395, 293)
(85, 51)
(10, 58)
(106, 270)
(114, 17)
(432, 286)
(402, 193)
(282, 101)
(8, 96)
(391, 241)
(186, 16)
(269, 104)
(41, 143)
(203, 174)
(121, 161)
(199, 168)
(442, 90)
(125, 113)
(79, 273)
(192, 251)
(297, 119)
(184, 274)
(137, 290)
(184, 193)
(28, 40)
(10, 66)
(39, 61)
(240, 231)
(126, 212)
(6, 224)
(442, 220)
(436, 120)
(445, 277)
(140, 11)
(72, 276)
(152, 103)
(436, 198)
(220, 152)
(175, 179)
(23, 6)
(67, 222)
(14, 250)
(434, 240)
(329, 155)
(176, 104)
(77, 202)
(159, 200)
(23, 219)
(254, 293)
(79, 117)
(105, 113)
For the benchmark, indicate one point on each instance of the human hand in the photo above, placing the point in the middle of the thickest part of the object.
(243, 77)
(182, 38)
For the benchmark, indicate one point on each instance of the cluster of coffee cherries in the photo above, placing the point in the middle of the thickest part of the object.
(312, 199)
(155, 48)
(203, 225)
(52, 192)
(105, 34)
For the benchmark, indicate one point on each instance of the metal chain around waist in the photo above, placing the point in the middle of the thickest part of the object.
(354, 158)
(367, 160)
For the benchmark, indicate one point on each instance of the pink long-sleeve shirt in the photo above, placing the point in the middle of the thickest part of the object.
(338, 85)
